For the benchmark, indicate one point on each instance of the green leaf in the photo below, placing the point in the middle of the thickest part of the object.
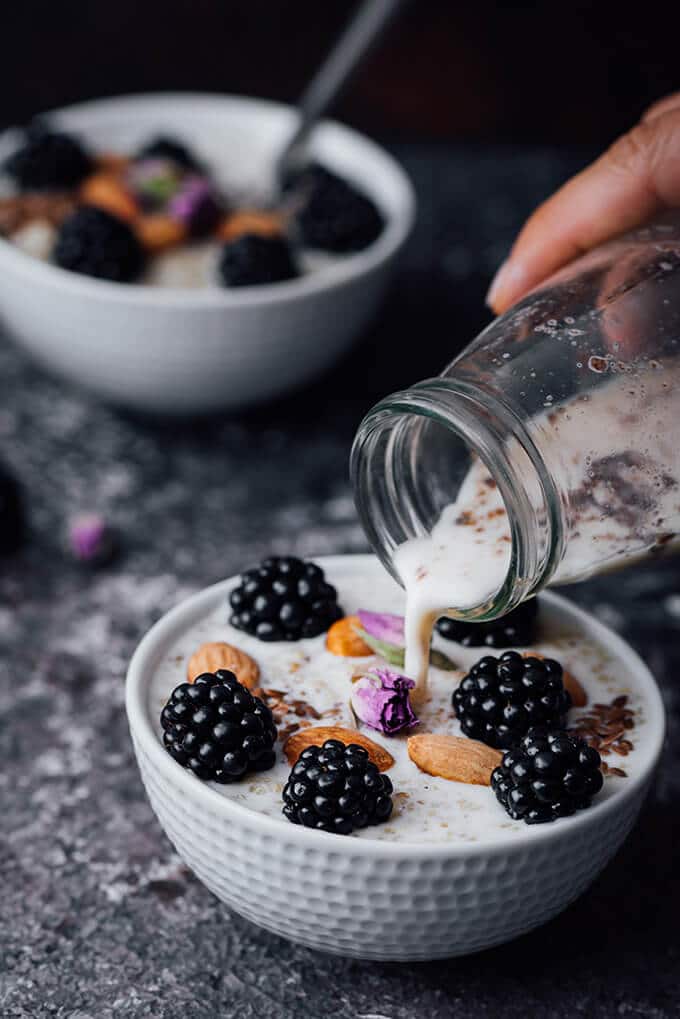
(440, 661)
(160, 188)
(394, 655)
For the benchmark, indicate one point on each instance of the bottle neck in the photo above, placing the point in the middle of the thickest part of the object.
(410, 456)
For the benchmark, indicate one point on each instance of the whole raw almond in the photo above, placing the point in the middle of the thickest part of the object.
(342, 639)
(579, 698)
(18, 210)
(316, 735)
(251, 221)
(218, 655)
(454, 757)
(159, 233)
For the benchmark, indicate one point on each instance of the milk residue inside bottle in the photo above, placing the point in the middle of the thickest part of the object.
(620, 503)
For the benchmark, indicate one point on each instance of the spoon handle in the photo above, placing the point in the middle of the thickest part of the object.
(364, 28)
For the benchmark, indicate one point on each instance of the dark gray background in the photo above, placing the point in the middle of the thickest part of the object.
(98, 918)
(476, 69)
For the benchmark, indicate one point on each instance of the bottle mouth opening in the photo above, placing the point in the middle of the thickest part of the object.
(410, 459)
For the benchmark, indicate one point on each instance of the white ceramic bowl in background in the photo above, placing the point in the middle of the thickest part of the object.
(367, 898)
(179, 351)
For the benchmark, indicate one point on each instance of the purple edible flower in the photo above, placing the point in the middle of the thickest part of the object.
(383, 625)
(90, 539)
(196, 205)
(380, 699)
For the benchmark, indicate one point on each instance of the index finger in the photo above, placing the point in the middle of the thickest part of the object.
(636, 177)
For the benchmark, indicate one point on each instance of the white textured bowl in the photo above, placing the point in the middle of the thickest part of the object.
(180, 351)
(375, 899)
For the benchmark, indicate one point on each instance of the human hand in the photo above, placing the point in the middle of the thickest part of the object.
(638, 176)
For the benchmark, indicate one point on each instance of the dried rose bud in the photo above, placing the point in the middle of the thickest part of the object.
(90, 539)
(380, 699)
(196, 205)
(383, 625)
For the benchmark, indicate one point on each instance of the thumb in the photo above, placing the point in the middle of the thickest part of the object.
(636, 177)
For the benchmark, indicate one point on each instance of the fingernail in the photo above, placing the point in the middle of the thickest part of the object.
(506, 283)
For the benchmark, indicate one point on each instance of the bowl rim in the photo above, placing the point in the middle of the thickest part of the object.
(144, 660)
(399, 221)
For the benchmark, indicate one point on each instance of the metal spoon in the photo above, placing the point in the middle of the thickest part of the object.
(354, 43)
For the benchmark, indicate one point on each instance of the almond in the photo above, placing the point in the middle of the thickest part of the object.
(158, 233)
(315, 735)
(217, 655)
(579, 698)
(342, 639)
(18, 210)
(250, 221)
(454, 757)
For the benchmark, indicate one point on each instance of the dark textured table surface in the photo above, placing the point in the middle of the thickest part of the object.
(98, 918)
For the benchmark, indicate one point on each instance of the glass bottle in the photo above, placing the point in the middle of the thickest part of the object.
(571, 401)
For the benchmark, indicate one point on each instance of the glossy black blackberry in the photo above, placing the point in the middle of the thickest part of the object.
(216, 728)
(96, 243)
(164, 147)
(251, 259)
(333, 215)
(48, 161)
(284, 598)
(516, 629)
(11, 513)
(550, 774)
(336, 788)
(500, 699)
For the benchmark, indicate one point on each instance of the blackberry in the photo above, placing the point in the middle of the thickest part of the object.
(96, 243)
(284, 599)
(48, 161)
(500, 699)
(217, 729)
(334, 215)
(165, 147)
(550, 774)
(11, 513)
(516, 629)
(253, 258)
(336, 788)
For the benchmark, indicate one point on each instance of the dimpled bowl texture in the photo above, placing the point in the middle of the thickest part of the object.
(370, 899)
(180, 351)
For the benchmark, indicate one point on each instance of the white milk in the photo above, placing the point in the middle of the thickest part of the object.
(462, 563)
